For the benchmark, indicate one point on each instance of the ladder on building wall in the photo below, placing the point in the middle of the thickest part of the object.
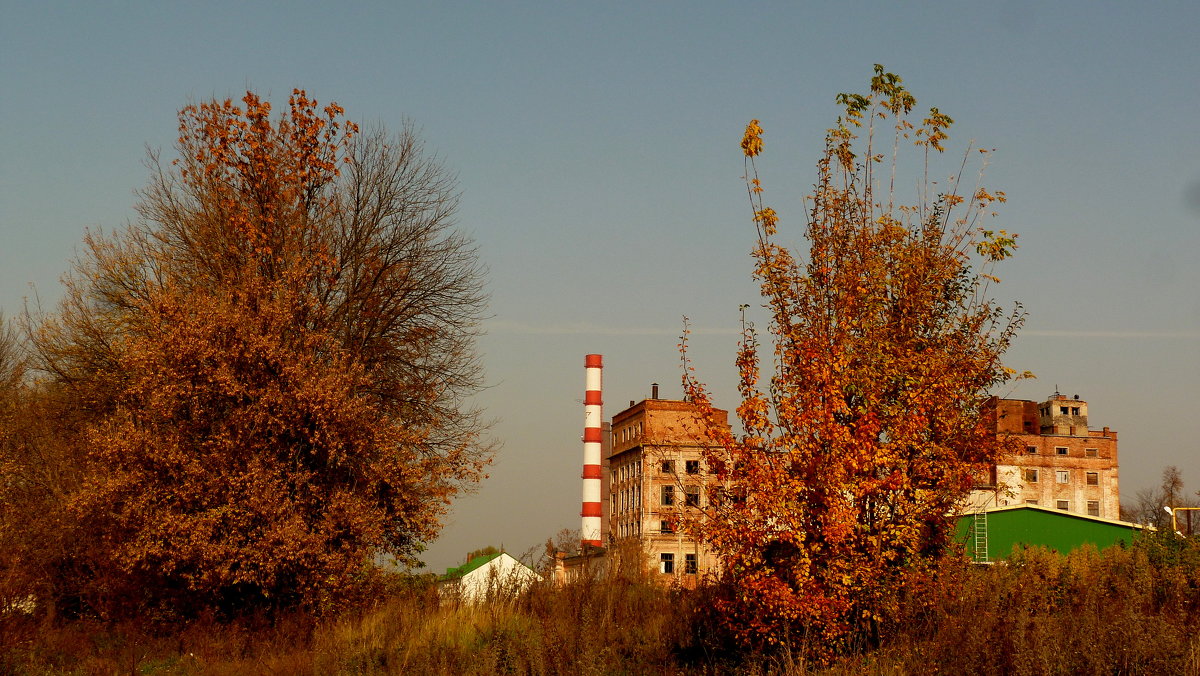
(979, 534)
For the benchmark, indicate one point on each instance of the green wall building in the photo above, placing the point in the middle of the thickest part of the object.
(990, 534)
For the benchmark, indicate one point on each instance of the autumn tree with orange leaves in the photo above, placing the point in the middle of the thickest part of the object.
(267, 372)
(868, 433)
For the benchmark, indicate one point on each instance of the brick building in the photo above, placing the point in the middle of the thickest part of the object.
(655, 474)
(1056, 461)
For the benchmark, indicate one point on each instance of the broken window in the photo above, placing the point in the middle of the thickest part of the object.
(668, 496)
(666, 563)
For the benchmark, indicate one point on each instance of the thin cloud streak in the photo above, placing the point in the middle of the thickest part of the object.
(583, 328)
(1066, 333)
(580, 328)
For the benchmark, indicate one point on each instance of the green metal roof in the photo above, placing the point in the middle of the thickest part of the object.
(477, 562)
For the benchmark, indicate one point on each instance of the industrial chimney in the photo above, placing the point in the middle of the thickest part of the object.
(593, 420)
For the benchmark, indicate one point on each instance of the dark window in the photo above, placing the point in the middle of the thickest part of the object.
(1031, 476)
(1074, 410)
(1093, 478)
(1093, 508)
(668, 496)
(665, 527)
(693, 466)
(666, 563)
(692, 496)
(1061, 450)
(1031, 450)
(668, 466)
(1062, 410)
(689, 564)
(1064, 504)
(1090, 453)
(1031, 502)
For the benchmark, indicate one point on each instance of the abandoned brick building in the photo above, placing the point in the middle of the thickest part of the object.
(655, 477)
(1055, 460)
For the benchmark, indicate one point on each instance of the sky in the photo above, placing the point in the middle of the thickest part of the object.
(596, 146)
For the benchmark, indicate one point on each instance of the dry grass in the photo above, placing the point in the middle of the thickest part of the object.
(1121, 611)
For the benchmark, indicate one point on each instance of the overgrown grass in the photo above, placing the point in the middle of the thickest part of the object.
(1121, 611)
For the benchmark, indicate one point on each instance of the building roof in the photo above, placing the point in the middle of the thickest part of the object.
(473, 564)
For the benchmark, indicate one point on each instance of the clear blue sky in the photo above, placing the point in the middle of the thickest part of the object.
(597, 148)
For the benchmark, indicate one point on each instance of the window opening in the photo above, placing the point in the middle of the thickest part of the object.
(668, 496)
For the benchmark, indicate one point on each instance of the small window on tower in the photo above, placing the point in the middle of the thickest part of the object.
(1074, 410)
(1062, 410)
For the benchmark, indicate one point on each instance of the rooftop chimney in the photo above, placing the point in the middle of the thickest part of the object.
(654, 390)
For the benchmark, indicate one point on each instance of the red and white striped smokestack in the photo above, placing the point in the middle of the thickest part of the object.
(593, 419)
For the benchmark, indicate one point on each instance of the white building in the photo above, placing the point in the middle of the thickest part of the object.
(487, 576)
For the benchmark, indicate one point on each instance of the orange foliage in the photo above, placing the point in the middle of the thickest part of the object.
(267, 370)
(854, 455)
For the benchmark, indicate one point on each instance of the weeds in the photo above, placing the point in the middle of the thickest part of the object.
(1120, 611)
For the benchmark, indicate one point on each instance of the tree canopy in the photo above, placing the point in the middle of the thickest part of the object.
(884, 346)
(267, 373)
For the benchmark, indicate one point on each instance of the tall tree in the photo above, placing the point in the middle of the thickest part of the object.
(274, 362)
(885, 345)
